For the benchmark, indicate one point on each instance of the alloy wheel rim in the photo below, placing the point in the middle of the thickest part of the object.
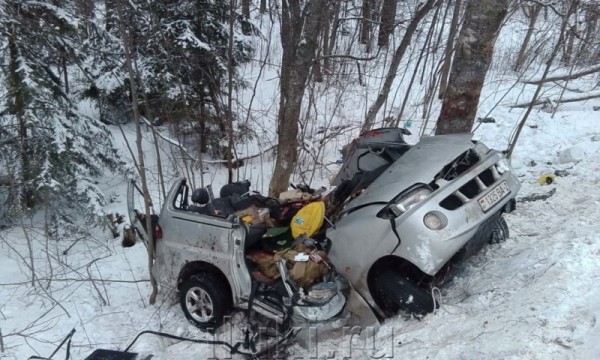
(199, 304)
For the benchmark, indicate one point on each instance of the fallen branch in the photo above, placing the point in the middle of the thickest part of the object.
(75, 280)
(575, 75)
(349, 57)
(559, 101)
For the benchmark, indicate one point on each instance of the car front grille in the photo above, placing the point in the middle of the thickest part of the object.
(471, 189)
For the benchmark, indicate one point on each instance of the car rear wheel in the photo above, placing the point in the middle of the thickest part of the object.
(204, 301)
(398, 293)
(499, 231)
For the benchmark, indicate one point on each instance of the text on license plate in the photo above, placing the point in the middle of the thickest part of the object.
(496, 194)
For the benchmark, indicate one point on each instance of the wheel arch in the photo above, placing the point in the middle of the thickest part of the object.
(196, 267)
(403, 266)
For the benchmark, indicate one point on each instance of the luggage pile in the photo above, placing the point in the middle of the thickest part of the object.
(289, 228)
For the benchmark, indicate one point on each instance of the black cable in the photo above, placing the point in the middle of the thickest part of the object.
(68, 337)
(232, 349)
(393, 224)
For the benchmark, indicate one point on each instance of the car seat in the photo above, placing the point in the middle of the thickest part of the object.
(200, 196)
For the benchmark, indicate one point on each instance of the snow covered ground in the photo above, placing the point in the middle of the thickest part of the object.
(533, 296)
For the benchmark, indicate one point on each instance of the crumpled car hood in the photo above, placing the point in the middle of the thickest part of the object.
(420, 164)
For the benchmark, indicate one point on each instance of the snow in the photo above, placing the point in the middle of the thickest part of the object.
(532, 296)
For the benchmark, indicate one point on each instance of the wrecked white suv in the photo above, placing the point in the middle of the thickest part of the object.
(399, 217)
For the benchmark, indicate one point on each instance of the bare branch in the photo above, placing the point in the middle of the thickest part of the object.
(559, 101)
(349, 57)
(573, 76)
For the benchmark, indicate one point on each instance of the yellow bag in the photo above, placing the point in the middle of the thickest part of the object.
(308, 220)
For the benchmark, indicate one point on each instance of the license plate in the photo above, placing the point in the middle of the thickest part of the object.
(496, 194)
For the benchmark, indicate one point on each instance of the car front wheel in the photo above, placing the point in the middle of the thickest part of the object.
(204, 302)
(499, 231)
(398, 293)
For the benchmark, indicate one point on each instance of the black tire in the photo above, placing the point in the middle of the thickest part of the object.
(204, 299)
(499, 231)
(396, 292)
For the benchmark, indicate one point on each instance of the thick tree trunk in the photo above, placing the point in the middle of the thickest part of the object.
(299, 37)
(475, 47)
(587, 45)
(398, 54)
(531, 13)
(365, 27)
(246, 29)
(388, 18)
(337, 6)
(263, 6)
(87, 8)
(109, 16)
(445, 72)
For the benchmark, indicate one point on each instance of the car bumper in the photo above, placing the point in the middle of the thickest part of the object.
(464, 216)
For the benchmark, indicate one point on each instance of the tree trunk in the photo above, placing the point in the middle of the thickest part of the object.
(299, 37)
(109, 16)
(337, 6)
(445, 71)
(475, 47)
(398, 54)
(142, 167)
(230, 140)
(246, 29)
(365, 28)
(569, 46)
(532, 14)
(388, 18)
(585, 53)
(87, 8)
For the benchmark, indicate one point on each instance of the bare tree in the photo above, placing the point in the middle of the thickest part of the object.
(475, 47)
(300, 27)
(142, 167)
(445, 71)
(570, 9)
(398, 54)
(532, 12)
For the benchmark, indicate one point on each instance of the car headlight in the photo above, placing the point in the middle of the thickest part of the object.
(404, 202)
(503, 166)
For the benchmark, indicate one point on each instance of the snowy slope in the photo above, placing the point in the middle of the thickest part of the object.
(533, 296)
